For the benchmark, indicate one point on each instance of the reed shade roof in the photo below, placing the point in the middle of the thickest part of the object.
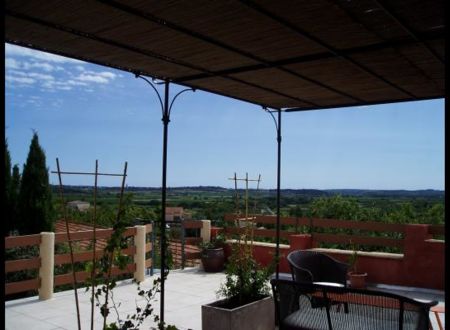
(280, 54)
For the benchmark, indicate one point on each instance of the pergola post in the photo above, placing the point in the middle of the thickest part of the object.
(165, 120)
(277, 253)
(278, 128)
(166, 108)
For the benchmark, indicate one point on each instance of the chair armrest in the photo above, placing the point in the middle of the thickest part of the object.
(334, 284)
(426, 303)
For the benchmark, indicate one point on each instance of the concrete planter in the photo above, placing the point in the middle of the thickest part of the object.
(258, 315)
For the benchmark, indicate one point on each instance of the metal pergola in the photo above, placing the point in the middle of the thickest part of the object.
(281, 55)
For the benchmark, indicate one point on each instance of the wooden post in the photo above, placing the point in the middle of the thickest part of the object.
(205, 232)
(139, 256)
(47, 255)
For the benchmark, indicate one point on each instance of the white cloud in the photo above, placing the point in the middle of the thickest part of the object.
(39, 65)
(51, 72)
(21, 80)
(77, 83)
(64, 88)
(11, 63)
(13, 50)
(93, 78)
(18, 73)
(107, 74)
(41, 76)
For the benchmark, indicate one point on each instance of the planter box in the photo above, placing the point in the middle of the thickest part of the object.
(258, 315)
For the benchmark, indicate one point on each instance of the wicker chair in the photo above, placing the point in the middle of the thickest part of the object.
(312, 266)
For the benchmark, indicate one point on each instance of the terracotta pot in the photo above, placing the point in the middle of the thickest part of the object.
(213, 260)
(357, 280)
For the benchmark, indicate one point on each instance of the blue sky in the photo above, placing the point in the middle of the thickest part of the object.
(83, 112)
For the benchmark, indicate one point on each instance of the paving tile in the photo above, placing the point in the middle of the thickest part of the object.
(26, 322)
(186, 291)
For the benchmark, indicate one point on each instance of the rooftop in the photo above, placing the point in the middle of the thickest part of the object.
(186, 290)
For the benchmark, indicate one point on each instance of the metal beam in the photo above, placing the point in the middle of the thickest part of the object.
(401, 22)
(415, 40)
(317, 57)
(352, 105)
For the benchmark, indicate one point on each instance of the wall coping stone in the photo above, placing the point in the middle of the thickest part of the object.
(432, 240)
(374, 254)
(256, 243)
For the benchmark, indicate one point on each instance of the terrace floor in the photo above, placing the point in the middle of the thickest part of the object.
(186, 290)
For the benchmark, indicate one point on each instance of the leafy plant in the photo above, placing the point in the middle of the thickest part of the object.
(353, 258)
(215, 243)
(246, 280)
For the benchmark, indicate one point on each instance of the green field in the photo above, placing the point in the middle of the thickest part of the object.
(425, 206)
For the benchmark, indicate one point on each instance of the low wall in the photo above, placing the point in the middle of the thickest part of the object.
(422, 263)
(264, 253)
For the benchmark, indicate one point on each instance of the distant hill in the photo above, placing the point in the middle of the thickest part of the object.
(425, 193)
(388, 193)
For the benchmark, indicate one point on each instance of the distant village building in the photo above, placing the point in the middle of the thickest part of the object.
(79, 205)
(176, 213)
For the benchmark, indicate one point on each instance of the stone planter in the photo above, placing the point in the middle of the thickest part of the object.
(258, 315)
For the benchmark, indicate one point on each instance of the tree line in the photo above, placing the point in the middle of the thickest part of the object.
(28, 197)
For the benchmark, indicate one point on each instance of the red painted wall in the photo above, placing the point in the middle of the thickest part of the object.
(423, 263)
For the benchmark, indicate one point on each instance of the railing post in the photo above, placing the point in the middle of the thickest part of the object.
(47, 255)
(183, 245)
(152, 236)
(205, 232)
(139, 256)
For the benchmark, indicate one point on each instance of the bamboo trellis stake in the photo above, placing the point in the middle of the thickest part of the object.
(94, 223)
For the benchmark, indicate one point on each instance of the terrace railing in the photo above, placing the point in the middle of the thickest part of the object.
(398, 254)
(45, 259)
(184, 247)
(338, 232)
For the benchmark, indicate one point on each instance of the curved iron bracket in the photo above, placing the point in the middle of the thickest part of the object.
(154, 88)
(165, 112)
(276, 122)
(178, 94)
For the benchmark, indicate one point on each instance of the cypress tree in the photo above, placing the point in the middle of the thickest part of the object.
(35, 197)
(14, 196)
(7, 196)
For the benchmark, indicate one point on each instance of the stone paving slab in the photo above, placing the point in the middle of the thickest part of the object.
(185, 291)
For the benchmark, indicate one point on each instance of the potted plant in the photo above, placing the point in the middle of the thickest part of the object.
(212, 254)
(246, 301)
(357, 278)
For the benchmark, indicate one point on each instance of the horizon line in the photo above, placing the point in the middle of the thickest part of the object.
(221, 187)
